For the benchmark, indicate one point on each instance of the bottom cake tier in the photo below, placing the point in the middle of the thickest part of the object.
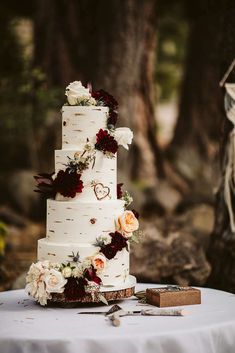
(110, 293)
(115, 272)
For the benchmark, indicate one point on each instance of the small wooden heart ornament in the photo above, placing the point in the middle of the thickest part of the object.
(101, 191)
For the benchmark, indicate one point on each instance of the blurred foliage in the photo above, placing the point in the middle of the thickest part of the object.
(173, 31)
(24, 96)
(3, 234)
(24, 99)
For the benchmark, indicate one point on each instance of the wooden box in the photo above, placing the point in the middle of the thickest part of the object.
(173, 296)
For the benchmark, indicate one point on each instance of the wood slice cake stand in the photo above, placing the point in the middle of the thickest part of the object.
(111, 293)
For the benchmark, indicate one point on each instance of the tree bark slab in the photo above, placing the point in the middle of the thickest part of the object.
(59, 299)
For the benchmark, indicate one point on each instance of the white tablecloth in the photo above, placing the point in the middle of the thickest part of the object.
(28, 328)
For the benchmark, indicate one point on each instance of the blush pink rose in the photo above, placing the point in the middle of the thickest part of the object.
(127, 223)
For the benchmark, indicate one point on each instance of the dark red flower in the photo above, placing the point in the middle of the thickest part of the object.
(107, 99)
(45, 184)
(109, 251)
(119, 190)
(75, 288)
(68, 183)
(136, 214)
(112, 119)
(118, 240)
(105, 142)
(90, 275)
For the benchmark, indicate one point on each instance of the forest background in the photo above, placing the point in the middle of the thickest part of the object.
(162, 61)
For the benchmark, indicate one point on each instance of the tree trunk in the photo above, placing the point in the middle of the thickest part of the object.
(111, 44)
(200, 106)
(221, 250)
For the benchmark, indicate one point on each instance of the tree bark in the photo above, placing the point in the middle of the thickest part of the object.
(201, 99)
(221, 250)
(111, 44)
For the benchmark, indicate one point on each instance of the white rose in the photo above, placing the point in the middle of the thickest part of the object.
(77, 93)
(54, 281)
(123, 136)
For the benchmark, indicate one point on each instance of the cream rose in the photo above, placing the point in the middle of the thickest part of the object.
(76, 93)
(123, 136)
(127, 223)
(35, 281)
(54, 281)
(99, 261)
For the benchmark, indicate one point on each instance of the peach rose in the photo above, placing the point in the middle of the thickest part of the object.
(99, 261)
(127, 223)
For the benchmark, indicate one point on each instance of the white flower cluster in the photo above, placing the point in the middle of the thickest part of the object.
(43, 279)
(77, 94)
(127, 198)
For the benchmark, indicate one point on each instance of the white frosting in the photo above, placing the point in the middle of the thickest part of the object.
(81, 222)
(80, 123)
(73, 224)
(104, 172)
(115, 272)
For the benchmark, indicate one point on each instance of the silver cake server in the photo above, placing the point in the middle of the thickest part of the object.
(119, 311)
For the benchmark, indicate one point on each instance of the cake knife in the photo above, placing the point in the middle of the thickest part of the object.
(117, 310)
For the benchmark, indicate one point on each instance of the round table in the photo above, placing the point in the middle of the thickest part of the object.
(25, 327)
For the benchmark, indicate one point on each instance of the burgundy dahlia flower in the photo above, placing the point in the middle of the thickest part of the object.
(113, 116)
(68, 183)
(75, 288)
(105, 142)
(109, 251)
(107, 99)
(118, 240)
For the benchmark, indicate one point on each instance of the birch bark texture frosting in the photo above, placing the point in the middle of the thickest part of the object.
(88, 227)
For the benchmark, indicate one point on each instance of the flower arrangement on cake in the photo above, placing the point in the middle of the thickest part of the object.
(89, 225)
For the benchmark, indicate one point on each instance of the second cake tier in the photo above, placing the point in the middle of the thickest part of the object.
(99, 180)
(81, 222)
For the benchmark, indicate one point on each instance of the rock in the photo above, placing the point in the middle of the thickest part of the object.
(201, 218)
(21, 187)
(167, 196)
(9, 216)
(171, 256)
(198, 221)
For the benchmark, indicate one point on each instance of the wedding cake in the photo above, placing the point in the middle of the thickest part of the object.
(89, 228)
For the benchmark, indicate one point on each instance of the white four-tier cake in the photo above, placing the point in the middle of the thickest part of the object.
(89, 228)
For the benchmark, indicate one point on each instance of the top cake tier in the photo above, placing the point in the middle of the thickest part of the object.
(81, 123)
